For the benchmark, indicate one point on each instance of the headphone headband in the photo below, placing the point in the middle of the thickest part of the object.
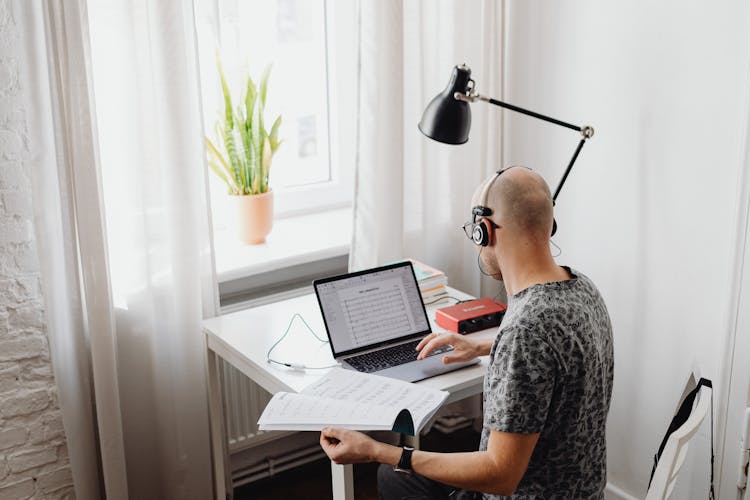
(487, 211)
(486, 190)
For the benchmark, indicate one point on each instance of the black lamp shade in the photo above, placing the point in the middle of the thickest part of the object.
(446, 119)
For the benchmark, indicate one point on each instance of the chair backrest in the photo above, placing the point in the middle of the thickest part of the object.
(675, 451)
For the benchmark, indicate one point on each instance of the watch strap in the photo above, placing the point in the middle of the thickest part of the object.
(404, 463)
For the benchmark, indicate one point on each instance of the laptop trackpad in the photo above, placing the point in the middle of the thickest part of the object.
(422, 369)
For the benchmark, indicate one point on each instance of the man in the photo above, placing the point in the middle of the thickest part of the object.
(549, 381)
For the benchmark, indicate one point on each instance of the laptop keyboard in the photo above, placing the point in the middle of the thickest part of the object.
(390, 356)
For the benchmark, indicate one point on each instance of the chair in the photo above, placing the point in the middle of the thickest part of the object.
(676, 446)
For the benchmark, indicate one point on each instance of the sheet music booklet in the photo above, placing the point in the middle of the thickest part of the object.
(352, 400)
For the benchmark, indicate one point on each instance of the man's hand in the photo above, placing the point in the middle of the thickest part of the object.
(464, 349)
(348, 447)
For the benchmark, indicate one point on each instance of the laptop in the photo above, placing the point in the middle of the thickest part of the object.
(375, 319)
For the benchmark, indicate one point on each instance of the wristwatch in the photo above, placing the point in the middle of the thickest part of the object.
(404, 464)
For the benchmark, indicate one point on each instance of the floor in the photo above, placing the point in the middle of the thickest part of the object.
(313, 481)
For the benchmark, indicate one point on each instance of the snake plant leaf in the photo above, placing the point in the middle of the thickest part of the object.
(220, 147)
(240, 121)
(217, 156)
(274, 135)
(214, 151)
(217, 131)
(264, 86)
(252, 161)
(266, 167)
(257, 141)
(243, 127)
(227, 97)
(219, 165)
(220, 173)
(234, 160)
(228, 130)
(251, 95)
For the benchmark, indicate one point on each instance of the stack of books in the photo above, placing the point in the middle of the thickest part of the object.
(431, 281)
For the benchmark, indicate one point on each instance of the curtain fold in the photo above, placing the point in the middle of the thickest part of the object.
(72, 248)
(59, 264)
(125, 242)
(411, 193)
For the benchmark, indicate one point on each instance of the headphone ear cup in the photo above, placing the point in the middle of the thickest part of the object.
(554, 227)
(480, 235)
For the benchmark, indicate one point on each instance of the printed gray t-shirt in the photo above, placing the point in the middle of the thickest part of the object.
(550, 372)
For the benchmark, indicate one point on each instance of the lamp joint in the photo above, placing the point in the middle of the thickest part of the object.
(460, 96)
(470, 96)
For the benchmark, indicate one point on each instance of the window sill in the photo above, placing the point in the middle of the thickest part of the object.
(297, 250)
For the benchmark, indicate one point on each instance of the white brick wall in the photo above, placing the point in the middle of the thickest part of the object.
(33, 452)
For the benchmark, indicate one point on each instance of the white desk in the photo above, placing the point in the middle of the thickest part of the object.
(243, 339)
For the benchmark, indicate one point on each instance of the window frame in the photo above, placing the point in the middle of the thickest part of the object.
(339, 32)
(262, 282)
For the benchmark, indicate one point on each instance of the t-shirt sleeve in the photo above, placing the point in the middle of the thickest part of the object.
(521, 381)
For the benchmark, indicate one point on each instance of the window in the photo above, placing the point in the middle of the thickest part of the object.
(310, 45)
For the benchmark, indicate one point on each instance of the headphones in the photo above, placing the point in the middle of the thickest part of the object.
(480, 233)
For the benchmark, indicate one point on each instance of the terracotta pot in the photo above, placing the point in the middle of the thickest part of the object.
(254, 217)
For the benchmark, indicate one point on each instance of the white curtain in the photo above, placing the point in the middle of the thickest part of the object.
(412, 193)
(125, 245)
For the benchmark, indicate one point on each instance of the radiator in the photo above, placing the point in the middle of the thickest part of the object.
(244, 401)
(256, 454)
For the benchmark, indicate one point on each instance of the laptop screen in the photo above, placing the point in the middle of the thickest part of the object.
(371, 308)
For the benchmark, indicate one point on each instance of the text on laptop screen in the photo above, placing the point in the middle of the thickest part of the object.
(371, 308)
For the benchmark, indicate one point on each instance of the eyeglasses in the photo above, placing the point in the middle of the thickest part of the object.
(468, 227)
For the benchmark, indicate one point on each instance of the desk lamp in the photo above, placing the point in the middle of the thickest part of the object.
(447, 118)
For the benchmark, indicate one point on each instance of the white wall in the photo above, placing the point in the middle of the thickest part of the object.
(648, 212)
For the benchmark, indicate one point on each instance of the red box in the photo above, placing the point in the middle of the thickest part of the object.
(471, 316)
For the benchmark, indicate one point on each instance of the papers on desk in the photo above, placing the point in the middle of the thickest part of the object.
(352, 400)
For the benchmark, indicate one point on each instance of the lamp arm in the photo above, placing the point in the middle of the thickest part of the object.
(586, 131)
(529, 113)
(567, 170)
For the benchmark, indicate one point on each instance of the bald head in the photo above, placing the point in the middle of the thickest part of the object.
(520, 201)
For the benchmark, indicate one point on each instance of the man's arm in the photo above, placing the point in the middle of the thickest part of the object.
(497, 470)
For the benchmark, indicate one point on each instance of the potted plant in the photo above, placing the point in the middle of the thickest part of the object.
(241, 157)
